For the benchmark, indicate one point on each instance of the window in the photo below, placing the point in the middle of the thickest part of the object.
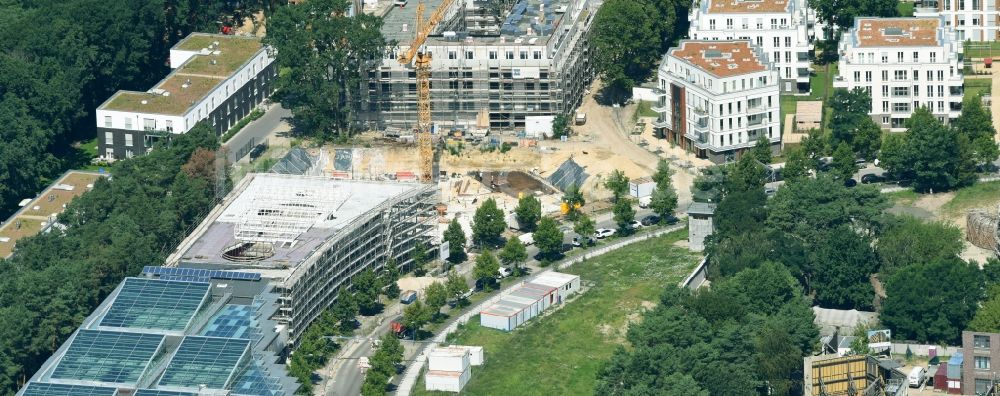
(885, 106)
(170, 126)
(900, 74)
(493, 54)
(711, 24)
(981, 341)
(468, 54)
(933, 57)
(128, 139)
(930, 75)
(916, 75)
(982, 362)
(109, 138)
(885, 120)
(452, 55)
(128, 153)
(900, 107)
(777, 56)
(940, 75)
(885, 90)
(885, 57)
(900, 91)
(509, 55)
(899, 57)
(916, 90)
(128, 122)
(148, 124)
(777, 42)
(729, 23)
(916, 56)
(760, 23)
(788, 41)
(109, 152)
(536, 54)
(466, 84)
(885, 75)
(107, 121)
(868, 76)
(524, 54)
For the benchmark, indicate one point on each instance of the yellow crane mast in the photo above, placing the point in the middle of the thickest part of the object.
(422, 63)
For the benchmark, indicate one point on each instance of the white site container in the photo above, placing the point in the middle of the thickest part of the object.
(448, 359)
(475, 355)
(641, 187)
(565, 284)
(447, 381)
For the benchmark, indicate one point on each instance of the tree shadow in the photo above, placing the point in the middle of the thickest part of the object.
(373, 310)
(612, 94)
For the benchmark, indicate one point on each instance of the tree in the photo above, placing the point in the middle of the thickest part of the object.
(528, 211)
(548, 238)
(931, 153)
(325, 55)
(797, 166)
(747, 174)
(867, 139)
(420, 256)
(814, 146)
(514, 254)
(573, 199)
(841, 13)
(932, 302)
(626, 41)
(488, 223)
(456, 285)
(624, 216)
(436, 296)
(843, 166)
(391, 275)
(345, 310)
(662, 175)
(366, 287)
(908, 240)
(761, 151)
(740, 212)
(560, 126)
(987, 317)
(585, 228)
(985, 149)
(415, 316)
(486, 269)
(806, 209)
(374, 384)
(975, 121)
(841, 269)
(664, 201)
(456, 241)
(850, 108)
(617, 183)
(893, 157)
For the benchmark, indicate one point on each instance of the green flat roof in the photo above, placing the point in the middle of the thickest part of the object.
(156, 304)
(111, 357)
(233, 52)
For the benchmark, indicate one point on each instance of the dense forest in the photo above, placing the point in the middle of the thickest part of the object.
(58, 61)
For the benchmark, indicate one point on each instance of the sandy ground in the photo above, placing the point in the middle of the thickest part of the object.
(248, 25)
(416, 283)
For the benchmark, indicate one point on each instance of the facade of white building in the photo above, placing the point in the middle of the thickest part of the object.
(718, 98)
(974, 20)
(905, 63)
(779, 27)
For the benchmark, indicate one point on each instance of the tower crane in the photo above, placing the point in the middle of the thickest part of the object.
(422, 63)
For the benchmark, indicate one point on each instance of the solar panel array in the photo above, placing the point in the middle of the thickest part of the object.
(156, 304)
(198, 272)
(44, 389)
(205, 361)
(108, 356)
(234, 321)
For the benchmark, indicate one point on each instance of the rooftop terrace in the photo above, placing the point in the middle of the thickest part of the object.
(896, 32)
(194, 79)
(720, 58)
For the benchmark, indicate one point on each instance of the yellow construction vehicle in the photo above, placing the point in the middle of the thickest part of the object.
(422, 63)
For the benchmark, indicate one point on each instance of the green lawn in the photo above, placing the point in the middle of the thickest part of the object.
(906, 197)
(821, 83)
(905, 9)
(979, 195)
(560, 353)
(975, 87)
(981, 49)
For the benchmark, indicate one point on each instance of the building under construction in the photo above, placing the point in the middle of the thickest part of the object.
(308, 236)
(495, 63)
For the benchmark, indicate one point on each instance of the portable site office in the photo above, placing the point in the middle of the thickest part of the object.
(504, 315)
(565, 284)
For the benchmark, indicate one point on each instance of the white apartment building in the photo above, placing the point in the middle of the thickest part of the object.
(718, 98)
(779, 27)
(905, 63)
(216, 78)
(974, 20)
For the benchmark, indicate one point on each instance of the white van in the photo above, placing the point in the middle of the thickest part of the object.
(527, 239)
(916, 376)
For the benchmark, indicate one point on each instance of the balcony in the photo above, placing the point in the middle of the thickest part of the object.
(661, 124)
(754, 121)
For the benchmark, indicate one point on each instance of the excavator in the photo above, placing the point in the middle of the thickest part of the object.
(422, 63)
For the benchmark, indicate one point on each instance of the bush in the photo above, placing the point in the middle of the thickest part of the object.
(254, 115)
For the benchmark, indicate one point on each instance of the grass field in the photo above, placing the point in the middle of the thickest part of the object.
(905, 9)
(560, 353)
(975, 87)
(821, 83)
(979, 195)
(981, 49)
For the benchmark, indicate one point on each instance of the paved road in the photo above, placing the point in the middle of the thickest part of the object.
(255, 132)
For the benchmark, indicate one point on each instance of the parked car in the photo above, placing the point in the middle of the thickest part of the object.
(503, 272)
(636, 224)
(602, 233)
(397, 327)
(408, 297)
(650, 220)
(850, 183)
(916, 377)
(871, 178)
(671, 220)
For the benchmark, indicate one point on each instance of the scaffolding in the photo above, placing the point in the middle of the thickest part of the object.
(280, 212)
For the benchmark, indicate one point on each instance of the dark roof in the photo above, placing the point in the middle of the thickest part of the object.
(701, 208)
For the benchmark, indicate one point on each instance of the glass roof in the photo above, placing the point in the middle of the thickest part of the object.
(208, 361)
(157, 392)
(156, 304)
(43, 389)
(108, 356)
(253, 381)
(234, 321)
